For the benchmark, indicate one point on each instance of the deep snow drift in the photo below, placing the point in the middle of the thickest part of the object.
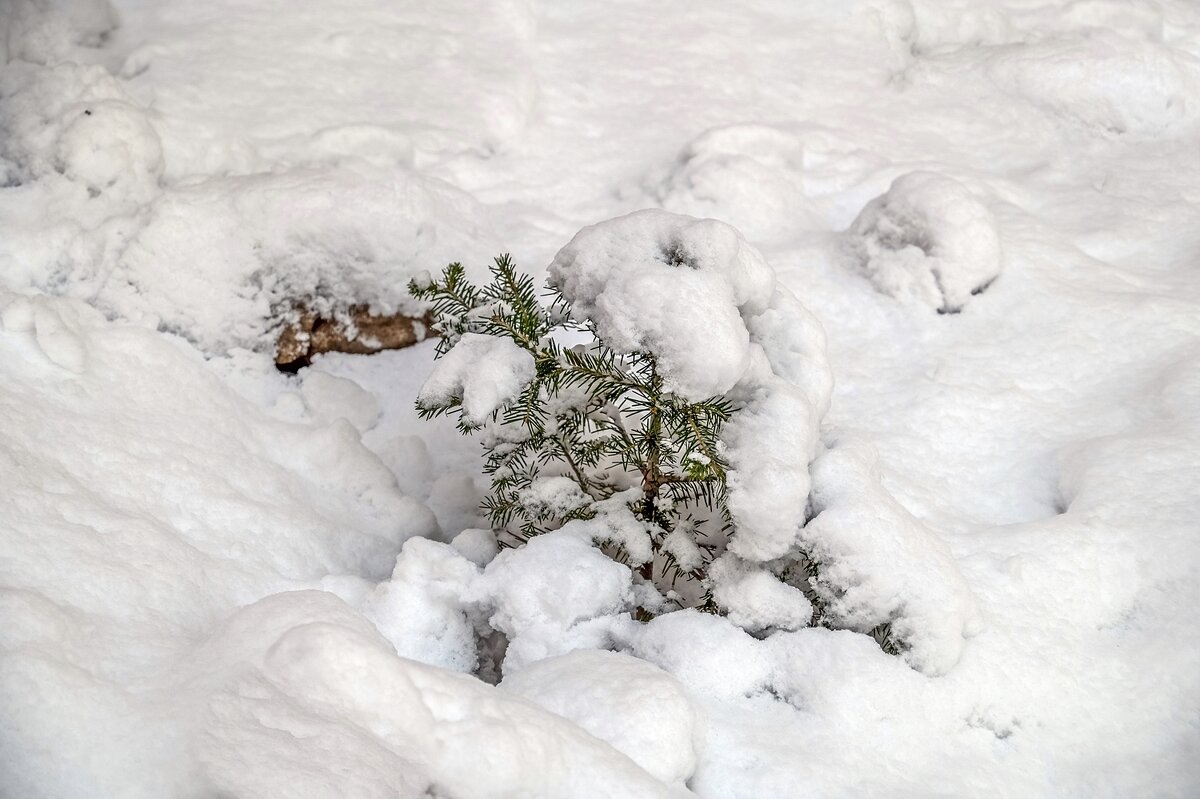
(217, 580)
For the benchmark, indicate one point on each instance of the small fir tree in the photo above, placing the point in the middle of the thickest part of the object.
(593, 435)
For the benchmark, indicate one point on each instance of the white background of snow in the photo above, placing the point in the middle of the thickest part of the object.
(158, 503)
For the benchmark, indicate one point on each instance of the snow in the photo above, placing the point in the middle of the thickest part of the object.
(42, 31)
(484, 372)
(219, 580)
(658, 282)
(880, 564)
(654, 723)
(322, 685)
(554, 496)
(327, 397)
(754, 599)
(927, 240)
(420, 610)
(476, 545)
(555, 594)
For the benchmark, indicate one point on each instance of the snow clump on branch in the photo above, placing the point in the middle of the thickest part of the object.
(707, 304)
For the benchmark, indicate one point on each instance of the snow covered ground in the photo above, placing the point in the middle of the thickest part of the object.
(218, 580)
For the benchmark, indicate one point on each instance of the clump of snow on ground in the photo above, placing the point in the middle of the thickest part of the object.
(880, 564)
(45, 31)
(555, 594)
(927, 240)
(421, 611)
(751, 176)
(754, 598)
(653, 723)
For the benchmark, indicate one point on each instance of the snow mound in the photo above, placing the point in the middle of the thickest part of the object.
(47, 31)
(297, 690)
(78, 162)
(878, 563)
(421, 609)
(755, 599)
(709, 654)
(634, 706)
(1106, 83)
(80, 123)
(366, 87)
(485, 372)
(556, 593)
(222, 262)
(672, 285)
(747, 175)
(477, 545)
(927, 240)
(472, 739)
(139, 513)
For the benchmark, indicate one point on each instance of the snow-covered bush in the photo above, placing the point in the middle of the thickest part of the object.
(677, 435)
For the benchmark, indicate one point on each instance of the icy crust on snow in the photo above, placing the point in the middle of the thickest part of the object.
(485, 372)
(927, 240)
(878, 563)
(706, 303)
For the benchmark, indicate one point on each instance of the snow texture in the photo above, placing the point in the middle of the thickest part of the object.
(927, 240)
(206, 567)
(755, 599)
(880, 564)
(663, 283)
(654, 723)
(485, 372)
(555, 594)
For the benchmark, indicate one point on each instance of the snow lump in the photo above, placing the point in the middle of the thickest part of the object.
(927, 240)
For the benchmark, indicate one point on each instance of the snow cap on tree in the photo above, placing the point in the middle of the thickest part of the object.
(706, 303)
